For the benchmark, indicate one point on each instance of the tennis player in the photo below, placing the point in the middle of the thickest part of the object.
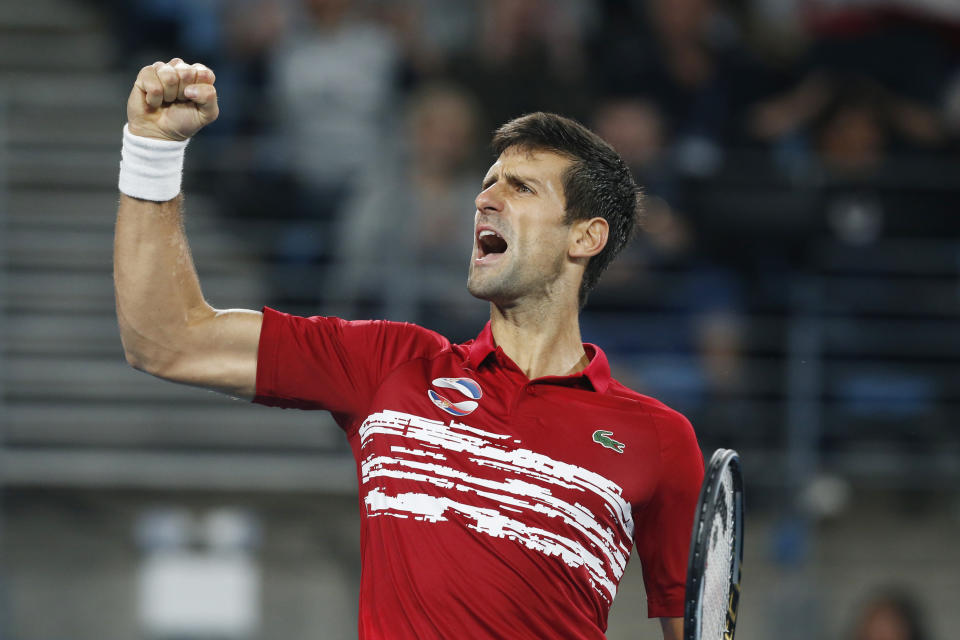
(503, 482)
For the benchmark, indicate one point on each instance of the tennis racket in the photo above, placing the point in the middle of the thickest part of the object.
(716, 552)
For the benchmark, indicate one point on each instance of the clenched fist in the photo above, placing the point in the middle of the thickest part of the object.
(172, 100)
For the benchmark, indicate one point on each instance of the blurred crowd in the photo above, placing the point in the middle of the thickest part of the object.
(359, 128)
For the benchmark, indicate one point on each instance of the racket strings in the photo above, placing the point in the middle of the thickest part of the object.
(718, 563)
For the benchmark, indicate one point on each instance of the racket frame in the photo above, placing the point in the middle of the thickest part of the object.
(699, 538)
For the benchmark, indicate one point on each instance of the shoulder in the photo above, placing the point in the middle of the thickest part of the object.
(652, 406)
(672, 426)
(680, 461)
(355, 334)
(425, 342)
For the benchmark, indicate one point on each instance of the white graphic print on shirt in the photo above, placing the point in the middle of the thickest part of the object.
(527, 486)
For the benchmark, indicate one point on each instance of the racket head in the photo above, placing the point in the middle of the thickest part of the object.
(720, 505)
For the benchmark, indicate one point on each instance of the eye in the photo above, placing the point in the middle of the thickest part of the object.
(522, 188)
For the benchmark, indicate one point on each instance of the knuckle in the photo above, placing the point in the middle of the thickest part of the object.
(203, 73)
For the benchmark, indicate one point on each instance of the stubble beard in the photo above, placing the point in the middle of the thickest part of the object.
(514, 283)
(492, 287)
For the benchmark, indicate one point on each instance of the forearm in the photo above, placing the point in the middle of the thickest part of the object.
(158, 296)
(672, 628)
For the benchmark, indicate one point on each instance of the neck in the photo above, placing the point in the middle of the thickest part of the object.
(541, 341)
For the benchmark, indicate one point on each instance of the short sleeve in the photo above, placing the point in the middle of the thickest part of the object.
(666, 521)
(330, 363)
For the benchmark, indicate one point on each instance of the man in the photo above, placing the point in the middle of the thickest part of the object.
(503, 482)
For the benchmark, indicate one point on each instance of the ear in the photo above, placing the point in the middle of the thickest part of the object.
(588, 237)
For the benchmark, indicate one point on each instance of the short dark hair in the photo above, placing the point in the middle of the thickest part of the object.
(597, 183)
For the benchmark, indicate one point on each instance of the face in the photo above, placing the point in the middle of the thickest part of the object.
(520, 239)
(884, 623)
(443, 127)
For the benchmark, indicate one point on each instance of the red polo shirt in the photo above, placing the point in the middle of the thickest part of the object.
(492, 506)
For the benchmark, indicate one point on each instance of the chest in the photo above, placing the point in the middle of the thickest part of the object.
(436, 421)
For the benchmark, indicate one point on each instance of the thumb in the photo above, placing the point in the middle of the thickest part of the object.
(205, 97)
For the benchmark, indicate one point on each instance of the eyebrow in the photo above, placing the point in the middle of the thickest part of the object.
(513, 179)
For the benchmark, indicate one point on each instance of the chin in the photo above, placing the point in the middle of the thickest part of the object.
(483, 290)
(494, 293)
(476, 290)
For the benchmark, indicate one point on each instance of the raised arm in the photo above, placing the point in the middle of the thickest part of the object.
(166, 326)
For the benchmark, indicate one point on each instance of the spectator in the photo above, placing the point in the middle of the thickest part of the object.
(857, 55)
(685, 53)
(636, 129)
(828, 102)
(529, 56)
(334, 79)
(402, 241)
(432, 34)
(334, 82)
(891, 614)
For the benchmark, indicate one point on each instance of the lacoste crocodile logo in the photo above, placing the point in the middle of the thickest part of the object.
(603, 437)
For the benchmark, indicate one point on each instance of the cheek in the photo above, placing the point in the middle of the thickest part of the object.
(545, 247)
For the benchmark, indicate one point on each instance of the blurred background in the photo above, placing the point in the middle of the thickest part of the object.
(795, 291)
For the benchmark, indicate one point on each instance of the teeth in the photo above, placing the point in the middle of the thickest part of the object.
(486, 232)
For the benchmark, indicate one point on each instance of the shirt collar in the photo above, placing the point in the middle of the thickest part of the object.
(597, 371)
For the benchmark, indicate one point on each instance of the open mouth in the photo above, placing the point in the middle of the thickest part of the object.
(489, 243)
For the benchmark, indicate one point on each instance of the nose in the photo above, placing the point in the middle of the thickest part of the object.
(489, 200)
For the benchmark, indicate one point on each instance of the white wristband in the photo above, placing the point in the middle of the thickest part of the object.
(150, 169)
